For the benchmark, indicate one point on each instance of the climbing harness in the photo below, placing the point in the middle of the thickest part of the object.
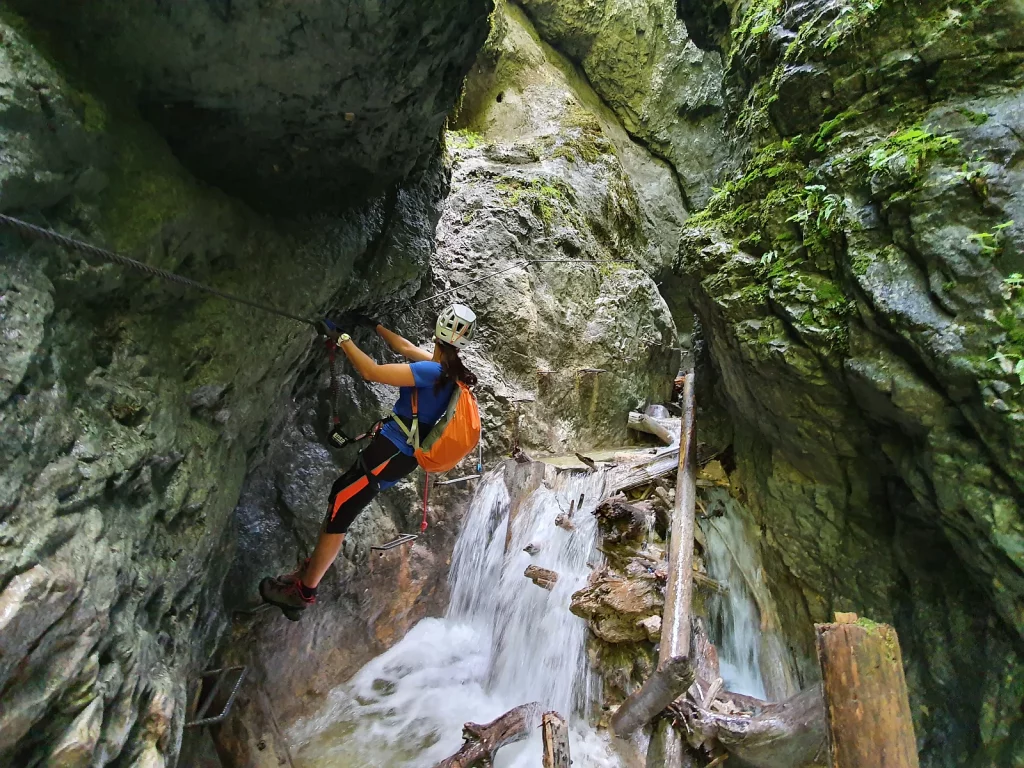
(39, 233)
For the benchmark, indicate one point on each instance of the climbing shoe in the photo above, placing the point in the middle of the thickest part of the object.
(288, 594)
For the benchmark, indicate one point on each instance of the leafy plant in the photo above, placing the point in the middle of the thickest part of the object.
(991, 243)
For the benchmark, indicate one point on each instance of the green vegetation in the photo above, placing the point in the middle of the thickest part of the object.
(466, 138)
(912, 147)
(543, 198)
(992, 243)
(978, 118)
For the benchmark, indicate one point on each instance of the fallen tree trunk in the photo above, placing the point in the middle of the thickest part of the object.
(482, 741)
(556, 741)
(869, 720)
(665, 430)
(633, 477)
(667, 684)
(790, 734)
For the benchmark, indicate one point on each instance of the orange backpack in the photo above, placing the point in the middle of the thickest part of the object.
(451, 439)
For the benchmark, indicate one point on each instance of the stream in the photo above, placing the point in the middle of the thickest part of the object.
(503, 642)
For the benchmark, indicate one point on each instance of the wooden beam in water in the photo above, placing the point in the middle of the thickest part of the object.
(869, 724)
(556, 741)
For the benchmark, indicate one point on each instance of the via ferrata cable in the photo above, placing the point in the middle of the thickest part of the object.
(40, 233)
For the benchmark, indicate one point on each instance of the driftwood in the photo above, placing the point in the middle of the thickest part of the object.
(556, 741)
(662, 465)
(790, 734)
(869, 721)
(542, 577)
(482, 741)
(665, 430)
(668, 683)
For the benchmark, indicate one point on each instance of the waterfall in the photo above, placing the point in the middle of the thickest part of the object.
(734, 618)
(503, 642)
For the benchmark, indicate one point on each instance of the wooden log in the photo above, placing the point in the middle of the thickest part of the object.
(675, 631)
(542, 577)
(869, 721)
(790, 734)
(556, 741)
(669, 682)
(663, 429)
(482, 741)
(676, 626)
(627, 479)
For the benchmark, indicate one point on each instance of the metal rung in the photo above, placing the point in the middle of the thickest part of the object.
(222, 675)
(457, 480)
(405, 538)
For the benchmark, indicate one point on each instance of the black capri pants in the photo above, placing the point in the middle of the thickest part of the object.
(378, 461)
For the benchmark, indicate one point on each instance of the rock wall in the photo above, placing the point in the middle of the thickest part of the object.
(856, 283)
(131, 409)
(289, 106)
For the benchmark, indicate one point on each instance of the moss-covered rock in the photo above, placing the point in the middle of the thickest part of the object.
(665, 90)
(857, 282)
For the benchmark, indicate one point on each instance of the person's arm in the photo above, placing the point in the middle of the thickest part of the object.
(395, 374)
(403, 346)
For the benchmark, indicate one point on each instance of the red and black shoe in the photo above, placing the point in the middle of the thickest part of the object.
(288, 593)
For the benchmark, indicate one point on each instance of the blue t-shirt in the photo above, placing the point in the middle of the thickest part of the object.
(431, 406)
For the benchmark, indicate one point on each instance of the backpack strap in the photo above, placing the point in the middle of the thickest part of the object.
(412, 432)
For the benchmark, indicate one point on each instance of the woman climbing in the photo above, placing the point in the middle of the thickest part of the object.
(425, 386)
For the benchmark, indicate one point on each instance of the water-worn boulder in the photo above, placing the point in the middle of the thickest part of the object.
(129, 408)
(287, 106)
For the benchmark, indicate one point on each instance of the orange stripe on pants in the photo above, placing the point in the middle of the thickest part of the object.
(348, 492)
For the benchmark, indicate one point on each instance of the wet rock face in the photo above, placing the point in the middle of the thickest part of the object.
(664, 88)
(542, 171)
(287, 106)
(857, 285)
(129, 410)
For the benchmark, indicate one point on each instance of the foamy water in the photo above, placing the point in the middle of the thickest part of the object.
(503, 642)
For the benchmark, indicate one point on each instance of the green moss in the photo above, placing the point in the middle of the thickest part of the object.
(978, 118)
(543, 198)
(822, 138)
(913, 147)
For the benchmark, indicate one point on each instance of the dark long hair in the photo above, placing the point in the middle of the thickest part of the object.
(452, 368)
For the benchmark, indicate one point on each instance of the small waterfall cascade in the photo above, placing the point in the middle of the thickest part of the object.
(734, 618)
(503, 642)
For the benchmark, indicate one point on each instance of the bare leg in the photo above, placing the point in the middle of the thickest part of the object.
(327, 548)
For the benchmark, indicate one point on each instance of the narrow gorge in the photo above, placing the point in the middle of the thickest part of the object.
(815, 206)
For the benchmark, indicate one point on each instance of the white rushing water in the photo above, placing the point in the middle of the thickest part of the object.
(735, 622)
(503, 642)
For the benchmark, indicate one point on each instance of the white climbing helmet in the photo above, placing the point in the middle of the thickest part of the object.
(456, 325)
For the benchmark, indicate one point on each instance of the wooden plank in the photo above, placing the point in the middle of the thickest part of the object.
(482, 741)
(556, 741)
(868, 709)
